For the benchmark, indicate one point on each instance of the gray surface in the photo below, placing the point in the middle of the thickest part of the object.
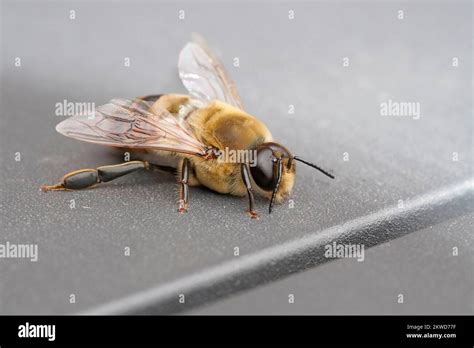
(281, 62)
(420, 266)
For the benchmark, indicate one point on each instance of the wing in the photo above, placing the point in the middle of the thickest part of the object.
(204, 76)
(126, 123)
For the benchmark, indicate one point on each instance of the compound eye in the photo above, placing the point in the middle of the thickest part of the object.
(262, 173)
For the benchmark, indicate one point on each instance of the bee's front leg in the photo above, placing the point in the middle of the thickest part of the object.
(248, 185)
(184, 190)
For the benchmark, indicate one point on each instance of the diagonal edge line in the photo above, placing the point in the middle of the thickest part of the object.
(293, 256)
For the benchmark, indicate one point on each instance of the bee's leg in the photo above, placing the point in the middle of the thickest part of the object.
(248, 185)
(184, 190)
(84, 178)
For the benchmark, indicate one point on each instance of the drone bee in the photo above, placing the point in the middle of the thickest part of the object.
(188, 133)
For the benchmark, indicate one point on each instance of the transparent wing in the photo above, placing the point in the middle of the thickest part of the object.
(126, 123)
(203, 74)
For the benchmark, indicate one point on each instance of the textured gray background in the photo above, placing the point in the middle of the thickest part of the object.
(419, 266)
(282, 62)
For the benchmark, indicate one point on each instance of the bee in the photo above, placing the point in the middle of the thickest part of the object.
(188, 134)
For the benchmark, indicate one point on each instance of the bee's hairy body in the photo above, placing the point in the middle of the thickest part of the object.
(220, 126)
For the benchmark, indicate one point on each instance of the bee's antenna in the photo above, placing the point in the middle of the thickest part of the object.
(279, 171)
(313, 165)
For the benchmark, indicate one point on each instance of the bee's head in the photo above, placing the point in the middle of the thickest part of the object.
(275, 169)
